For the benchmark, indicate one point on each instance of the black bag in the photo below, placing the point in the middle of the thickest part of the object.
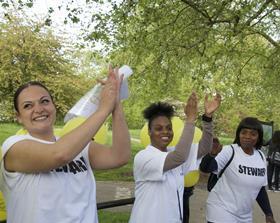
(276, 158)
(213, 178)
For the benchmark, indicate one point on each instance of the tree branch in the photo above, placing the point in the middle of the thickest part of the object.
(263, 7)
(194, 6)
(267, 37)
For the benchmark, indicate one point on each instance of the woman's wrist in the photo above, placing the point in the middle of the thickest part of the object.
(206, 118)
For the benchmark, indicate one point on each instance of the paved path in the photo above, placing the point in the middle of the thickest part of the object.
(107, 191)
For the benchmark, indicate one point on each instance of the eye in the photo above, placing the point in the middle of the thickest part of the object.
(27, 106)
(45, 101)
(158, 128)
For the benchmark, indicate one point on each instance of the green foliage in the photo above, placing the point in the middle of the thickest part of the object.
(177, 46)
(30, 54)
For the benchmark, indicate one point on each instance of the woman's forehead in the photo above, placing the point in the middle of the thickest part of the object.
(248, 130)
(33, 92)
(161, 120)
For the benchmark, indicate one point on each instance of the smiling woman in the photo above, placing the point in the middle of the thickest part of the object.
(159, 169)
(35, 110)
(50, 179)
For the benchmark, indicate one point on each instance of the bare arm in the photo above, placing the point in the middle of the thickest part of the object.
(118, 154)
(182, 149)
(31, 156)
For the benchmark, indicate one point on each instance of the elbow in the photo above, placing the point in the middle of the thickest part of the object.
(123, 159)
(61, 159)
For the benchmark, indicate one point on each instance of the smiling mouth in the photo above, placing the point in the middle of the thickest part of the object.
(41, 118)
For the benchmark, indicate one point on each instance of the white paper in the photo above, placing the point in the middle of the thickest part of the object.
(89, 103)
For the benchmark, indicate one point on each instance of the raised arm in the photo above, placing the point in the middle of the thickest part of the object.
(210, 106)
(31, 156)
(182, 149)
(104, 157)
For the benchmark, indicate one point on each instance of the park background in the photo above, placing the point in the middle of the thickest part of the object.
(173, 47)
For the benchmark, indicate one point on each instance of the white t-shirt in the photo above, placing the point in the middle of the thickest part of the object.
(63, 195)
(232, 198)
(158, 194)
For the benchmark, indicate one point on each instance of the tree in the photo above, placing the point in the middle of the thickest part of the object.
(28, 53)
(177, 46)
(180, 45)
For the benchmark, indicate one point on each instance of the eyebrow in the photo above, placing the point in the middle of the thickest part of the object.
(27, 102)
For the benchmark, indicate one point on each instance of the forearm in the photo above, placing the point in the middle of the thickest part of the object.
(205, 144)
(30, 156)
(182, 149)
(264, 203)
(121, 145)
(71, 144)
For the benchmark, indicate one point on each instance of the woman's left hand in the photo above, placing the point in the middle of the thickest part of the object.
(269, 219)
(211, 106)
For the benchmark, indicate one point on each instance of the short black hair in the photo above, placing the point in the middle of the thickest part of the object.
(24, 86)
(158, 109)
(250, 123)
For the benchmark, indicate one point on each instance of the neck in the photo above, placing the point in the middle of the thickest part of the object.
(248, 151)
(163, 149)
(46, 136)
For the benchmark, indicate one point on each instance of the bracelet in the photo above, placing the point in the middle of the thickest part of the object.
(206, 118)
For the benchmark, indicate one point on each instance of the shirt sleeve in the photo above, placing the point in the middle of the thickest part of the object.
(192, 163)
(9, 142)
(223, 157)
(148, 165)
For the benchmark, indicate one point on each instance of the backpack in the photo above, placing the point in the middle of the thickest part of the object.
(213, 178)
(276, 158)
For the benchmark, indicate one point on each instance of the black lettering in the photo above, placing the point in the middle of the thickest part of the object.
(59, 169)
(81, 165)
(245, 169)
(240, 169)
(255, 171)
(73, 168)
(65, 168)
(250, 170)
(82, 158)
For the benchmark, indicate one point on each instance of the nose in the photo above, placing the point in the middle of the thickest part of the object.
(38, 108)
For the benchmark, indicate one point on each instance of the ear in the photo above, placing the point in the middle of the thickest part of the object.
(18, 118)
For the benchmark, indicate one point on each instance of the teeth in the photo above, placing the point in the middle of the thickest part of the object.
(40, 118)
(165, 138)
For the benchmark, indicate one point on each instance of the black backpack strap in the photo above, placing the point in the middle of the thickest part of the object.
(229, 161)
(260, 154)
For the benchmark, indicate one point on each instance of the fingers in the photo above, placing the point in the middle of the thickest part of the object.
(218, 97)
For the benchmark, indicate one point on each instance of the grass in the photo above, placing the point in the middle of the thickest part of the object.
(8, 129)
(112, 216)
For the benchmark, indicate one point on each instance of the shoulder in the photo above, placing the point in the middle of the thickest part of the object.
(228, 149)
(9, 142)
(260, 153)
(149, 153)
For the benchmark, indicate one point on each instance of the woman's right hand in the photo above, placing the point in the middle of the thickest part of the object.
(110, 91)
(191, 108)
